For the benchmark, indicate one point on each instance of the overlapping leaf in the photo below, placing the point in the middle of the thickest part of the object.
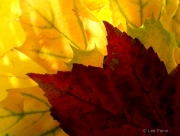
(26, 112)
(134, 12)
(152, 33)
(14, 66)
(100, 8)
(176, 24)
(53, 26)
(52, 30)
(86, 58)
(132, 92)
(11, 32)
(170, 17)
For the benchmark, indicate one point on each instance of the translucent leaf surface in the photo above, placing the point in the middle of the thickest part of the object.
(134, 12)
(152, 33)
(170, 16)
(60, 33)
(93, 57)
(25, 112)
(13, 66)
(51, 29)
(100, 8)
(132, 95)
(11, 32)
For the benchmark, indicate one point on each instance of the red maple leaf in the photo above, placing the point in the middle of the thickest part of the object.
(132, 95)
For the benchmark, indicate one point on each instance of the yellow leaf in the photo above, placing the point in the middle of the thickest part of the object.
(134, 12)
(14, 66)
(170, 17)
(25, 112)
(11, 32)
(176, 24)
(56, 25)
(177, 55)
(100, 8)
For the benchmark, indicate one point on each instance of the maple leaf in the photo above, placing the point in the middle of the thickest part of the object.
(134, 12)
(132, 92)
(85, 57)
(12, 34)
(152, 33)
(100, 8)
(51, 34)
(170, 17)
(14, 66)
(24, 111)
(43, 45)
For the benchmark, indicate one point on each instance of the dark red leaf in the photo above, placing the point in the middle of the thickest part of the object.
(131, 94)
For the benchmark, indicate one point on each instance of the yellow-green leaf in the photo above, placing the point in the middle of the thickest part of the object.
(25, 112)
(92, 57)
(14, 66)
(152, 33)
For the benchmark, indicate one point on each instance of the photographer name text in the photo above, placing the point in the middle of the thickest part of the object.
(155, 131)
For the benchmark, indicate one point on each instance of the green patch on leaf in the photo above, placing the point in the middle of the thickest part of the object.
(85, 57)
(152, 33)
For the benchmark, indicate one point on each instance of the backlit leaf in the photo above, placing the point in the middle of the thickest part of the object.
(25, 112)
(53, 26)
(134, 12)
(13, 66)
(130, 96)
(11, 32)
(92, 57)
(100, 8)
(170, 19)
(152, 33)
(170, 16)
(176, 24)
